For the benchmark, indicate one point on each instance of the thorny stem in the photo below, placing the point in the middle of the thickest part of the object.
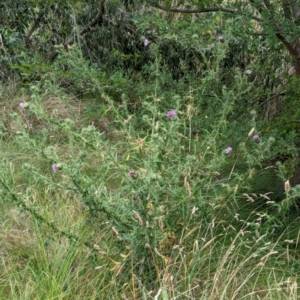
(38, 217)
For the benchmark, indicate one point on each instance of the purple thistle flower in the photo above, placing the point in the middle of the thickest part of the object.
(256, 137)
(146, 42)
(22, 105)
(132, 174)
(249, 72)
(220, 37)
(228, 150)
(54, 168)
(171, 113)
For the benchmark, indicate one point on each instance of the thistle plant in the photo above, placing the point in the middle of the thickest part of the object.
(172, 201)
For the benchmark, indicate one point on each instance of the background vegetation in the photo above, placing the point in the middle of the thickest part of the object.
(149, 150)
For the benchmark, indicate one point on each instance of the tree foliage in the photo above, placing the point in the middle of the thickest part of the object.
(278, 19)
(39, 24)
